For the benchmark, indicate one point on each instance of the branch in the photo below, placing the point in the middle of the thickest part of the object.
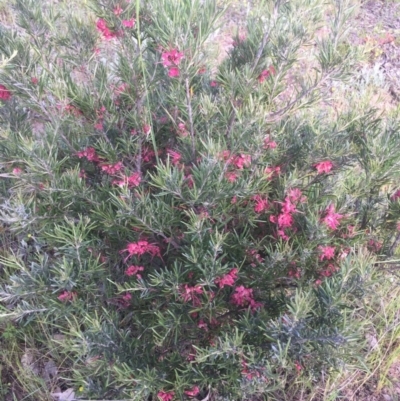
(189, 105)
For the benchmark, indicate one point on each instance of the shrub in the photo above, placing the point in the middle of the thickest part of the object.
(174, 228)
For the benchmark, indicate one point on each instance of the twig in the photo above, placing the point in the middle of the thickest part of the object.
(260, 50)
(290, 105)
(394, 245)
(231, 121)
(189, 105)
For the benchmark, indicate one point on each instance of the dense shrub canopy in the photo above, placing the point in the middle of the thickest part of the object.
(173, 227)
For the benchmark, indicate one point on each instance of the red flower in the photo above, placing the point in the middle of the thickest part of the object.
(193, 392)
(174, 156)
(134, 271)
(244, 297)
(270, 172)
(374, 246)
(329, 270)
(261, 204)
(285, 220)
(298, 366)
(34, 80)
(112, 169)
(283, 235)
(189, 180)
(140, 248)
(190, 294)
(294, 272)
(118, 10)
(241, 161)
(132, 181)
(324, 167)
(228, 279)
(130, 23)
(122, 88)
(147, 154)
(101, 25)
(165, 396)
(67, 296)
(226, 156)
(127, 297)
(202, 325)
(17, 171)
(396, 195)
(182, 131)
(288, 206)
(296, 195)
(327, 252)
(268, 144)
(266, 73)
(90, 154)
(231, 176)
(331, 218)
(5, 94)
(173, 72)
(213, 84)
(171, 58)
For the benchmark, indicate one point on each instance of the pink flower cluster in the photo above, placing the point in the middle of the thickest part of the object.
(131, 181)
(285, 219)
(329, 270)
(134, 271)
(266, 74)
(395, 196)
(166, 395)
(261, 204)
(323, 167)
(17, 170)
(66, 296)
(374, 245)
(331, 218)
(125, 300)
(250, 374)
(90, 154)
(238, 162)
(243, 297)
(5, 94)
(182, 131)
(171, 59)
(254, 257)
(102, 27)
(190, 293)
(130, 23)
(100, 118)
(140, 248)
(193, 392)
(112, 169)
(268, 144)
(241, 161)
(228, 279)
(272, 172)
(174, 156)
(327, 252)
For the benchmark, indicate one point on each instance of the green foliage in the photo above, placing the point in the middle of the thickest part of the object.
(168, 226)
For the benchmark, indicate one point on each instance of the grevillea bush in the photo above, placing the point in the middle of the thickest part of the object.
(177, 228)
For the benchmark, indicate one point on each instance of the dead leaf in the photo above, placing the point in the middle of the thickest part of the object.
(67, 395)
